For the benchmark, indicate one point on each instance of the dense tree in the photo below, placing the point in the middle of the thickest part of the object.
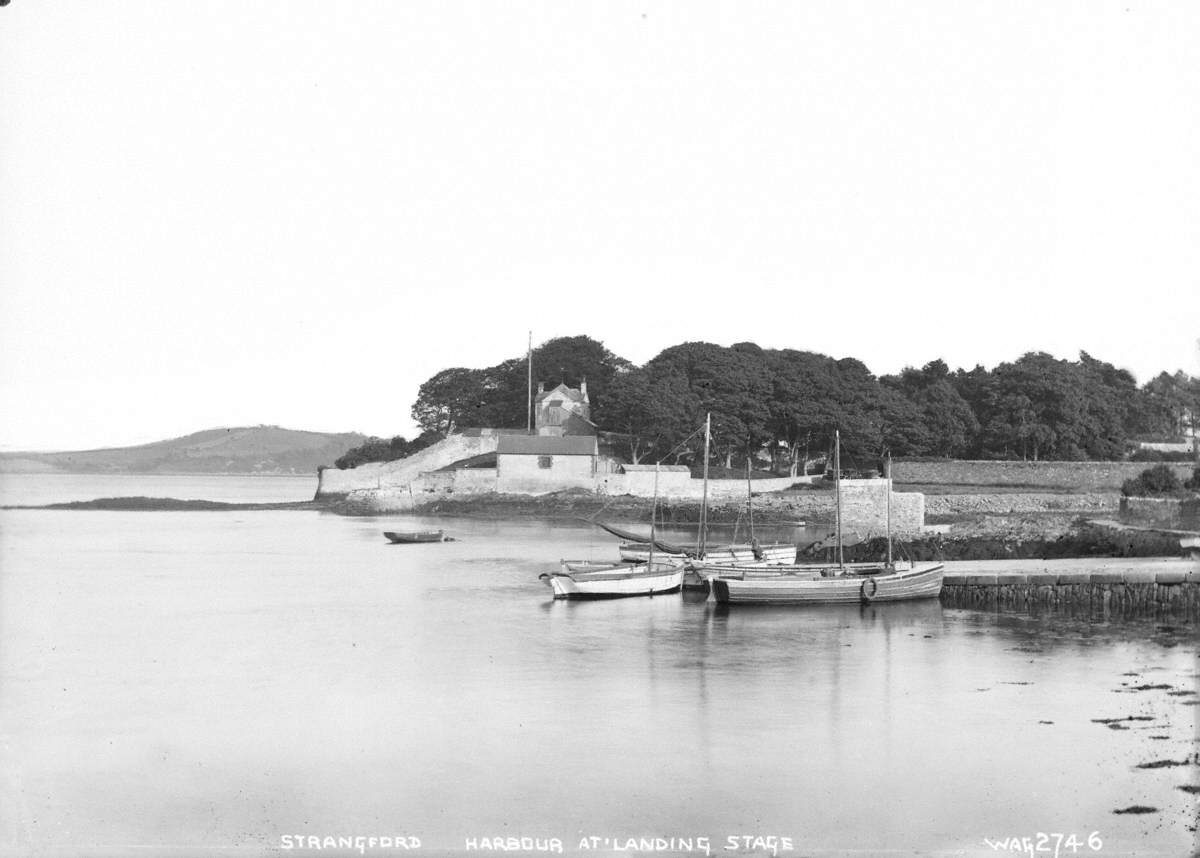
(789, 403)
(499, 395)
(903, 424)
(731, 384)
(453, 398)
(1168, 407)
(1040, 407)
(1158, 481)
(800, 410)
(1110, 403)
(379, 450)
(572, 360)
(653, 411)
(947, 426)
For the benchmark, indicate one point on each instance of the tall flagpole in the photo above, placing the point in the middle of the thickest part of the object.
(529, 400)
(702, 537)
(837, 492)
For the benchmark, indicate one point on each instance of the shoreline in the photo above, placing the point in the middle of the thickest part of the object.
(1001, 526)
(156, 504)
(810, 505)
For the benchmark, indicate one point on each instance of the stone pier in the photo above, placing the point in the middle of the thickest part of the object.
(1098, 586)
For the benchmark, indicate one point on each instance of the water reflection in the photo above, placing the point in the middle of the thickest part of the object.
(295, 672)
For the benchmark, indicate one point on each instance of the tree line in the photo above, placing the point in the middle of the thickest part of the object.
(786, 403)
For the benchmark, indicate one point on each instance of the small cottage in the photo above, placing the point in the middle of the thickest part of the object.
(538, 464)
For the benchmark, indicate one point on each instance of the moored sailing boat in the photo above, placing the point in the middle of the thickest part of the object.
(707, 560)
(817, 584)
(577, 580)
(807, 586)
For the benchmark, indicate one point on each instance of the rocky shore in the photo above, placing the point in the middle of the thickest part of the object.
(777, 507)
(1045, 537)
(1001, 525)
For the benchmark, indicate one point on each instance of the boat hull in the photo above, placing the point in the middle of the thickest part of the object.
(779, 552)
(587, 581)
(639, 552)
(806, 586)
(418, 536)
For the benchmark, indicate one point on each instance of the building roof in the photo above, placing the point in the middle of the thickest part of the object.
(662, 468)
(562, 391)
(546, 445)
(576, 424)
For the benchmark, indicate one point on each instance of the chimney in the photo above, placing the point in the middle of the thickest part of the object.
(583, 387)
(541, 387)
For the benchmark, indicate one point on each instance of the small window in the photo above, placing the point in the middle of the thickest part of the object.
(545, 461)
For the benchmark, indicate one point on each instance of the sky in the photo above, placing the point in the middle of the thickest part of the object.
(292, 213)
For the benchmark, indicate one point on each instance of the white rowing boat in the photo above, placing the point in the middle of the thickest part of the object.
(577, 580)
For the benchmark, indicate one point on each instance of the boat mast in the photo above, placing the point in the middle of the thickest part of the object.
(889, 507)
(702, 537)
(529, 389)
(653, 515)
(749, 500)
(837, 492)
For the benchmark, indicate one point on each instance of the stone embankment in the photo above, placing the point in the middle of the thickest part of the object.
(1059, 476)
(863, 510)
(1036, 537)
(1094, 587)
(781, 507)
(947, 507)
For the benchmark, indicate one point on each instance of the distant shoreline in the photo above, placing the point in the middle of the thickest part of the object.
(98, 473)
(148, 504)
(979, 531)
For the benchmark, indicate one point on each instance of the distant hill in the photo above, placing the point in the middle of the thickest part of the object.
(241, 450)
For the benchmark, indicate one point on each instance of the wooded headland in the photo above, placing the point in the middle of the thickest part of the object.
(782, 406)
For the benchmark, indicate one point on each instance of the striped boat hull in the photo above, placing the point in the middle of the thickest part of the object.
(778, 552)
(806, 586)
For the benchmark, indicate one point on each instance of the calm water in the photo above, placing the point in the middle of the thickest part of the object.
(208, 682)
(40, 489)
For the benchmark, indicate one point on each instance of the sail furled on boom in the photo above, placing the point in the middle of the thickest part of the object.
(630, 536)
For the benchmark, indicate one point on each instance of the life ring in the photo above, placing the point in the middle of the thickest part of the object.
(862, 591)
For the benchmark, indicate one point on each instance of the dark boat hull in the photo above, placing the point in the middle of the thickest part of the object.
(397, 538)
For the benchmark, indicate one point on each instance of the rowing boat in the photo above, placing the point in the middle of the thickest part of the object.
(577, 580)
(415, 536)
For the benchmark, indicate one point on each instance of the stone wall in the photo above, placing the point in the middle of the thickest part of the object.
(1163, 447)
(462, 481)
(681, 485)
(1170, 513)
(673, 481)
(1158, 589)
(402, 472)
(865, 508)
(736, 489)
(524, 474)
(1077, 476)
